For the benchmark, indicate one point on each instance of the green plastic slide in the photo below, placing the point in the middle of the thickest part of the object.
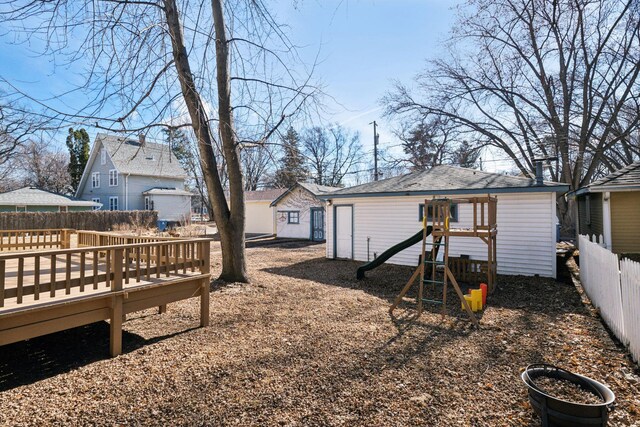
(384, 256)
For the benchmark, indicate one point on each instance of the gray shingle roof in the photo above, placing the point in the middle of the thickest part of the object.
(318, 190)
(315, 189)
(264, 195)
(31, 196)
(149, 159)
(629, 175)
(449, 179)
(167, 192)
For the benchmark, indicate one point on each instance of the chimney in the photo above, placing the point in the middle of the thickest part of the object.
(539, 176)
(142, 139)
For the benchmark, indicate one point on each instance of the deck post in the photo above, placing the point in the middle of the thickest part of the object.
(205, 254)
(115, 331)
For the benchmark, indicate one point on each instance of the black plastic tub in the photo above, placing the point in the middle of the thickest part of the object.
(562, 413)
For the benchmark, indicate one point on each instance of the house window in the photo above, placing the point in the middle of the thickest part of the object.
(21, 208)
(587, 209)
(63, 209)
(95, 180)
(103, 157)
(113, 178)
(454, 212)
(148, 205)
(97, 200)
(113, 203)
(293, 217)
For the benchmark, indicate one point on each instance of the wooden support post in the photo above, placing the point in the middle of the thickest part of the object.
(115, 338)
(115, 327)
(465, 304)
(162, 309)
(205, 254)
(406, 288)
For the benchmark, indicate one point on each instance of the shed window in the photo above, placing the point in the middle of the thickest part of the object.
(97, 200)
(293, 217)
(95, 180)
(63, 209)
(113, 203)
(21, 208)
(454, 212)
(113, 178)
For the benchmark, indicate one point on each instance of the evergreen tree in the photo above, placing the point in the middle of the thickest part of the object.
(465, 155)
(291, 168)
(78, 145)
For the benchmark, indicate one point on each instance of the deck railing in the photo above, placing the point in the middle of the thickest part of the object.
(17, 240)
(26, 277)
(98, 238)
(468, 270)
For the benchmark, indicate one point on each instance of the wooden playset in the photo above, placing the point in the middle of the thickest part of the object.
(437, 224)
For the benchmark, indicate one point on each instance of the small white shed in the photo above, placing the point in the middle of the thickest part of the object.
(259, 215)
(365, 220)
(300, 213)
(172, 204)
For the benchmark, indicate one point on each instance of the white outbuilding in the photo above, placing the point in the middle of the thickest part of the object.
(300, 212)
(259, 215)
(365, 220)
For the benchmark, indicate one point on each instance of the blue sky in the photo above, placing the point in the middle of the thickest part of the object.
(362, 45)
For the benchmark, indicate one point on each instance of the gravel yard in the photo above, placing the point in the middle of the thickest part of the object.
(307, 344)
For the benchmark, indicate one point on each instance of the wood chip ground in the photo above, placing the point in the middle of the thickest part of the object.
(305, 344)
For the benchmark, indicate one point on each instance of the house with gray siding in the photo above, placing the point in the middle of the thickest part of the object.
(134, 174)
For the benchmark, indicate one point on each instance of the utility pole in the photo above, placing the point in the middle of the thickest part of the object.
(375, 150)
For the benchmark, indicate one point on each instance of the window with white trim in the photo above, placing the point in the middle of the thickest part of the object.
(63, 209)
(293, 217)
(147, 203)
(96, 200)
(103, 156)
(113, 203)
(21, 208)
(113, 178)
(95, 180)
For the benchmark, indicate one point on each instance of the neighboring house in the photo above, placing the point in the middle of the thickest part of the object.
(610, 207)
(300, 213)
(259, 215)
(31, 199)
(365, 220)
(124, 174)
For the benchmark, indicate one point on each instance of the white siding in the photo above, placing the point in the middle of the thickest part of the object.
(526, 231)
(301, 201)
(172, 207)
(259, 217)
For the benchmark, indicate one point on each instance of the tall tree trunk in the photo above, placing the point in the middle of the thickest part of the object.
(229, 217)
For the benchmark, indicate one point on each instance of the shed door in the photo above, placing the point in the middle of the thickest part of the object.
(344, 232)
(317, 224)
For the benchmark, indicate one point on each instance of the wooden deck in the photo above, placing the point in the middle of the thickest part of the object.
(52, 290)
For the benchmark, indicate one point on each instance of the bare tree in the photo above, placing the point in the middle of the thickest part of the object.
(257, 162)
(224, 66)
(39, 166)
(332, 153)
(537, 79)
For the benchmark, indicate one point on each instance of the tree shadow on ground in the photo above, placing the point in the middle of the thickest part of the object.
(43, 357)
(535, 294)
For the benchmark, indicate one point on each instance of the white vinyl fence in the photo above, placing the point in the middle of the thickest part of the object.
(614, 288)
